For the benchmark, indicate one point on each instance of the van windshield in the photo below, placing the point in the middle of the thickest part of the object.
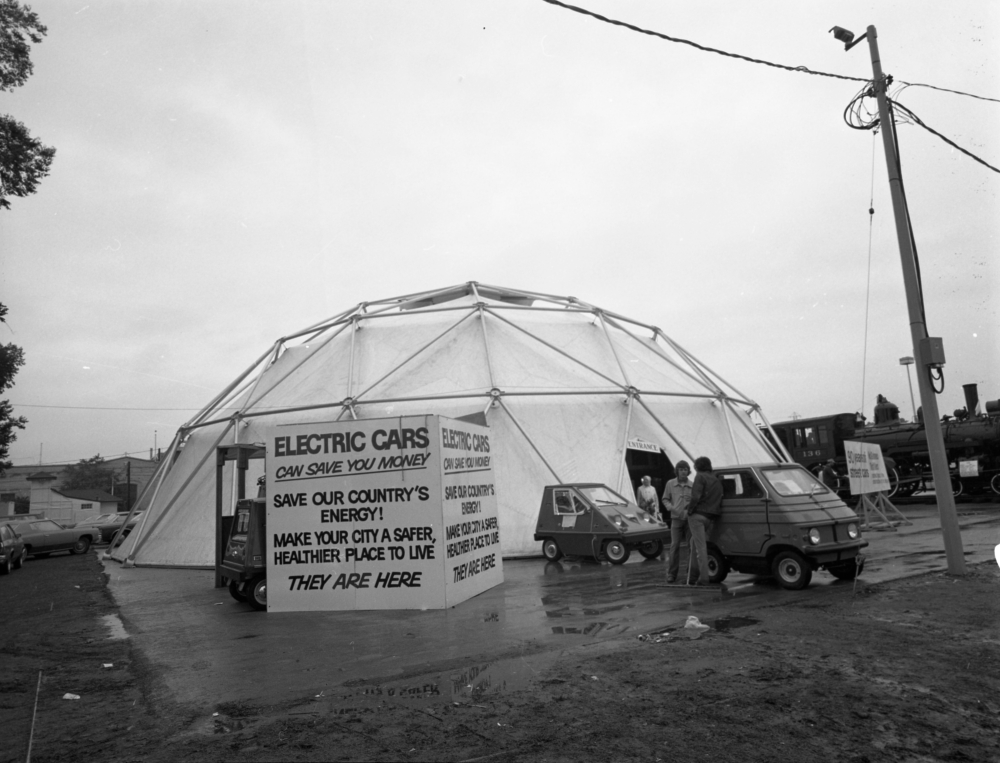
(603, 496)
(794, 482)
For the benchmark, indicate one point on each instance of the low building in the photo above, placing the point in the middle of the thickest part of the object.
(67, 505)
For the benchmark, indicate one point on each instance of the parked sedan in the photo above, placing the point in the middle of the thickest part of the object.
(109, 524)
(43, 536)
(12, 551)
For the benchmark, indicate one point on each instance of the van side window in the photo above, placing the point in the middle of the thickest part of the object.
(741, 485)
(4, 532)
(563, 504)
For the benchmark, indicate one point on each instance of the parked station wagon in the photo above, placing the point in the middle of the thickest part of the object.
(589, 519)
(779, 519)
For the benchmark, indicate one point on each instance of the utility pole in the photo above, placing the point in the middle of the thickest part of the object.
(927, 351)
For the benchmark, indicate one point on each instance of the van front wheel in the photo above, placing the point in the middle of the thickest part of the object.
(791, 570)
(718, 567)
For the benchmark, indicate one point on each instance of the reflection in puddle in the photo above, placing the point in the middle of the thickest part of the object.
(726, 624)
(115, 625)
(471, 683)
(605, 629)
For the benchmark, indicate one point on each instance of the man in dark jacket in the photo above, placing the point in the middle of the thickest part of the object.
(704, 509)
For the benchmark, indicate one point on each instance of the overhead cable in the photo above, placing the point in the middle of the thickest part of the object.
(800, 69)
(599, 17)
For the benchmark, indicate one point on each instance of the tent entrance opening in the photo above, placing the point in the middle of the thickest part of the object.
(647, 463)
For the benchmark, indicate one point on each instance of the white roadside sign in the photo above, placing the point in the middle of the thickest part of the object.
(865, 467)
(396, 513)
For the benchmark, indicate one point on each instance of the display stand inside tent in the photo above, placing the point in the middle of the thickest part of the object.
(242, 455)
(881, 506)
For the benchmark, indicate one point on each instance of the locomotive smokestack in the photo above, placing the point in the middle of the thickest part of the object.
(971, 398)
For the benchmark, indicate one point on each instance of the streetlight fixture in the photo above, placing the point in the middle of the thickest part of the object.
(908, 361)
(927, 351)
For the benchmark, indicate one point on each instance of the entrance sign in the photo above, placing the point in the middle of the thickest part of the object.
(865, 467)
(640, 444)
(396, 513)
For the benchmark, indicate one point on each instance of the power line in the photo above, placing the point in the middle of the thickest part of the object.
(800, 69)
(98, 408)
(605, 19)
(946, 90)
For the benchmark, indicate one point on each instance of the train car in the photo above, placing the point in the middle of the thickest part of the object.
(972, 442)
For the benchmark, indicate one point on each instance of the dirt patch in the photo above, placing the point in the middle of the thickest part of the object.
(908, 671)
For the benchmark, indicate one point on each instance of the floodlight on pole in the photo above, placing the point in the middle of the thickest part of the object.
(908, 361)
(927, 351)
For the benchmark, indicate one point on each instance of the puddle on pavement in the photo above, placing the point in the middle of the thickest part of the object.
(726, 624)
(470, 683)
(115, 625)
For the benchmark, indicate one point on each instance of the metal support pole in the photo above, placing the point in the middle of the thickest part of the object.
(918, 331)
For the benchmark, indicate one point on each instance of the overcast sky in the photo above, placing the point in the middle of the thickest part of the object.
(229, 172)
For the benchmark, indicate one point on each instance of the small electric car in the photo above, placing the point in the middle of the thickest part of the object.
(589, 519)
(243, 561)
(780, 520)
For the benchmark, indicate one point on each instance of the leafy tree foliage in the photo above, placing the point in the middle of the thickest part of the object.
(89, 473)
(11, 359)
(23, 159)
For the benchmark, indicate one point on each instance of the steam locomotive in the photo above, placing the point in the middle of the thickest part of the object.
(971, 438)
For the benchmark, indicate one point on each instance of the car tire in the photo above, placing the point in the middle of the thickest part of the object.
(81, 546)
(257, 593)
(19, 562)
(616, 552)
(718, 566)
(791, 570)
(846, 570)
(6, 566)
(235, 592)
(551, 550)
(651, 549)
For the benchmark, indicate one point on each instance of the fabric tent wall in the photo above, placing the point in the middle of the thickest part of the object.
(563, 386)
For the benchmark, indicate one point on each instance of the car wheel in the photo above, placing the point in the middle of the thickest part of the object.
(257, 593)
(791, 570)
(616, 551)
(235, 592)
(995, 484)
(846, 570)
(718, 566)
(651, 549)
(19, 562)
(5, 566)
(81, 546)
(957, 487)
(551, 550)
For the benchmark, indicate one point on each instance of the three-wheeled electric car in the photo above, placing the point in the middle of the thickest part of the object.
(589, 519)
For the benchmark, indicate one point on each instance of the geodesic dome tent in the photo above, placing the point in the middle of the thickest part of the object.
(565, 387)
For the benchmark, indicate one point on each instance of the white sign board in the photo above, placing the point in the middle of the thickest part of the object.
(639, 444)
(968, 468)
(865, 467)
(394, 513)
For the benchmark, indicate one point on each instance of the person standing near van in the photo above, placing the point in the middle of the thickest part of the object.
(647, 496)
(676, 498)
(704, 509)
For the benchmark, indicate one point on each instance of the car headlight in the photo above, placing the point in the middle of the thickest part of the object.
(852, 531)
(814, 536)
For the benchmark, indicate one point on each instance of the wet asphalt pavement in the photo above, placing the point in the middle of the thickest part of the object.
(213, 649)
